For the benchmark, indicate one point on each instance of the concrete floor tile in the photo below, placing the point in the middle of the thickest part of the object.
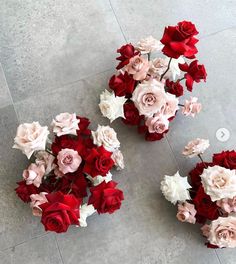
(140, 18)
(46, 44)
(41, 250)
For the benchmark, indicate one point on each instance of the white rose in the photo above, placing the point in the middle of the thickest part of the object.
(46, 159)
(174, 70)
(148, 45)
(99, 179)
(31, 137)
(219, 182)
(64, 124)
(111, 106)
(107, 137)
(149, 97)
(175, 188)
(118, 158)
(85, 211)
(196, 147)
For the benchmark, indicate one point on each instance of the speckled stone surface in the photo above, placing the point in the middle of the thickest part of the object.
(57, 56)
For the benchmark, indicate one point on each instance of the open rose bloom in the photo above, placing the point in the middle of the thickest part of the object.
(151, 77)
(69, 178)
(209, 197)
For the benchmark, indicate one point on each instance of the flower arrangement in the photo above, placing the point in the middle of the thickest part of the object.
(209, 196)
(145, 92)
(70, 177)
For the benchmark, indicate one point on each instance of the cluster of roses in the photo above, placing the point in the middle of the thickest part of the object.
(145, 92)
(210, 200)
(70, 178)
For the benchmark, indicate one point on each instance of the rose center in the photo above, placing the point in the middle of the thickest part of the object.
(137, 65)
(68, 159)
(149, 99)
(219, 181)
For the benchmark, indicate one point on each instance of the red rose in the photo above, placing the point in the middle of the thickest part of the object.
(75, 183)
(206, 209)
(105, 197)
(154, 136)
(127, 51)
(131, 113)
(24, 191)
(122, 85)
(60, 212)
(194, 73)
(179, 40)
(83, 126)
(225, 159)
(195, 174)
(174, 88)
(98, 162)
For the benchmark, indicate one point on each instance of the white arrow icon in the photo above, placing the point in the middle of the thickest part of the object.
(223, 134)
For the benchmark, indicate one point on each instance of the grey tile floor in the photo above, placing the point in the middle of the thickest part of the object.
(57, 56)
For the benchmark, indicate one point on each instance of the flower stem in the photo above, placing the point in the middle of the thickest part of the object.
(149, 56)
(168, 67)
(48, 151)
(181, 105)
(200, 157)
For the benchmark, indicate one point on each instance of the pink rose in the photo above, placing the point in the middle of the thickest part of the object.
(36, 201)
(64, 124)
(157, 124)
(191, 107)
(171, 106)
(138, 67)
(221, 232)
(149, 97)
(34, 174)
(186, 213)
(228, 205)
(68, 160)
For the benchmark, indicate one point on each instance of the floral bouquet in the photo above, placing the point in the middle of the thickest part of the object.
(70, 177)
(145, 92)
(209, 197)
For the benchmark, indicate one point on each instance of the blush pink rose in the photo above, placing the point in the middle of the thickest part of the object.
(64, 124)
(221, 232)
(149, 97)
(157, 124)
(171, 106)
(68, 160)
(228, 205)
(186, 213)
(138, 67)
(36, 200)
(34, 174)
(191, 107)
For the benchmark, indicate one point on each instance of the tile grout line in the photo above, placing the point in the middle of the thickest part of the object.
(217, 256)
(64, 85)
(173, 154)
(23, 242)
(9, 92)
(118, 21)
(58, 248)
(217, 32)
